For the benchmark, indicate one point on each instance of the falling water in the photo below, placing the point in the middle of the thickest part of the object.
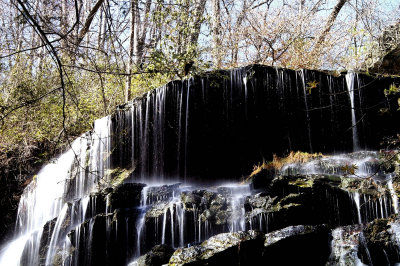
(140, 221)
(393, 195)
(303, 77)
(345, 242)
(70, 176)
(350, 87)
(357, 202)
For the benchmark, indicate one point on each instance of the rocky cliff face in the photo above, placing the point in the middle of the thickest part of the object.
(152, 179)
(341, 215)
(385, 56)
(238, 118)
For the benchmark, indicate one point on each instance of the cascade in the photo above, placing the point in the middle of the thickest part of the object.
(86, 207)
(345, 246)
(47, 196)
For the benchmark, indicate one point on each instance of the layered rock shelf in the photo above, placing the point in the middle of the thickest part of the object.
(166, 178)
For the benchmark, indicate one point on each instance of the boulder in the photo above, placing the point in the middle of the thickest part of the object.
(297, 245)
(157, 256)
(162, 193)
(261, 180)
(48, 229)
(239, 248)
(126, 195)
(191, 199)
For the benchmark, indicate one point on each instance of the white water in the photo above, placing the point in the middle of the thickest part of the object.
(394, 195)
(345, 247)
(46, 195)
(357, 201)
(363, 163)
(350, 76)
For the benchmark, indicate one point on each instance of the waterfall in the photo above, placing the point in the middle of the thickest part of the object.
(393, 195)
(345, 242)
(350, 78)
(88, 196)
(303, 77)
(71, 176)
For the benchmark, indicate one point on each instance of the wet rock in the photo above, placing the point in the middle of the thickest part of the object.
(48, 229)
(162, 193)
(105, 239)
(158, 256)
(97, 203)
(381, 247)
(207, 198)
(232, 190)
(222, 217)
(239, 248)
(63, 227)
(318, 199)
(191, 199)
(161, 224)
(157, 210)
(258, 201)
(297, 245)
(117, 176)
(262, 180)
(125, 196)
(89, 241)
(218, 203)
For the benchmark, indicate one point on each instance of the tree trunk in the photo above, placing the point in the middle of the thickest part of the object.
(99, 42)
(145, 29)
(235, 50)
(194, 37)
(87, 12)
(138, 46)
(64, 26)
(133, 29)
(328, 25)
(216, 25)
(88, 22)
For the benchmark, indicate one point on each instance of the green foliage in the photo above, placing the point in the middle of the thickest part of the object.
(393, 90)
(179, 44)
(349, 169)
(312, 85)
(33, 110)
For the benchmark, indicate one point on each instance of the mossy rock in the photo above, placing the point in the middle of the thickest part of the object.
(117, 176)
(381, 247)
(191, 200)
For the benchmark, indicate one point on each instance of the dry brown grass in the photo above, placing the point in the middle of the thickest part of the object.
(277, 162)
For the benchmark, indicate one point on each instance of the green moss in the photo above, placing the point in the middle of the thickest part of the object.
(377, 232)
(303, 183)
(290, 205)
(117, 176)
